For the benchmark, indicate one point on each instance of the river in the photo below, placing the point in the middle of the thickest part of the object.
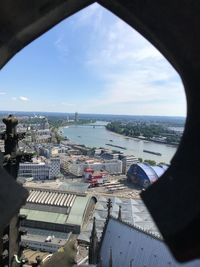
(96, 135)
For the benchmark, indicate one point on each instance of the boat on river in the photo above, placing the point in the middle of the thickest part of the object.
(122, 147)
(152, 152)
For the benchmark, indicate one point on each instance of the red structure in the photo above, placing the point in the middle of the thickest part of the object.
(94, 178)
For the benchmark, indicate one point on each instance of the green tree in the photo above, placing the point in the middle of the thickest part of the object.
(150, 162)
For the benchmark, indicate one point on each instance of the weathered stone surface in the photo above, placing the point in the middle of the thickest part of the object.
(12, 197)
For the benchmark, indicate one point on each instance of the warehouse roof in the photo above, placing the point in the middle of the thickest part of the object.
(44, 216)
(54, 206)
(55, 198)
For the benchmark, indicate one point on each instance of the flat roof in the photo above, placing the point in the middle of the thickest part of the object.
(44, 216)
(42, 239)
(43, 232)
(74, 217)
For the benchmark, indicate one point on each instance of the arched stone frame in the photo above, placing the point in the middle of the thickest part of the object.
(173, 28)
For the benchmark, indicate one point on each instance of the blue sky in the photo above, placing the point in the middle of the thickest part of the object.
(93, 62)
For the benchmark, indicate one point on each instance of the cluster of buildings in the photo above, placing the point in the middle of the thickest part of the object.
(72, 159)
(75, 158)
(54, 213)
(114, 231)
(77, 166)
(51, 216)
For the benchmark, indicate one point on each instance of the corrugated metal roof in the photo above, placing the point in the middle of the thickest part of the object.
(51, 198)
(151, 174)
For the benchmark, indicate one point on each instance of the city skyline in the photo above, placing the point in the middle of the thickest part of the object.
(114, 71)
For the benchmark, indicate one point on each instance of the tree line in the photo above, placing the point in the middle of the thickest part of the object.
(144, 130)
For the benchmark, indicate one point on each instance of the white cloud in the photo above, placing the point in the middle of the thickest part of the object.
(134, 72)
(2, 93)
(20, 98)
(23, 98)
(135, 77)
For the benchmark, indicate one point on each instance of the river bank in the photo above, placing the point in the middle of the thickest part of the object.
(100, 136)
(146, 139)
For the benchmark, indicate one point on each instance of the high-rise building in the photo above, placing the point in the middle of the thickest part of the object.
(76, 116)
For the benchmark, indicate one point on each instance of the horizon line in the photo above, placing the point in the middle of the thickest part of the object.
(107, 114)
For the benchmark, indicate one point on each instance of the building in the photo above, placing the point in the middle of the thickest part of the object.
(143, 174)
(54, 167)
(125, 244)
(51, 150)
(64, 163)
(76, 117)
(45, 124)
(44, 240)
(40, 169)
(43, 150)
(133, 212)
(110, 155)
(111, 166)
(127, 161)
(41, 136)
(52, 216)
(57, 211)
(95, 178)
(83, 150)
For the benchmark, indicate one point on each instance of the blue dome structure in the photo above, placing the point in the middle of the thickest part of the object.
(144, 174)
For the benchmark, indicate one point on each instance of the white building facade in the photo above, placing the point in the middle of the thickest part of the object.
(54, 167)
(111, 166)
(40, 170)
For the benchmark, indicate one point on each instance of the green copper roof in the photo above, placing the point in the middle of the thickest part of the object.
(44, 216)
(75, 216)
(77, 211)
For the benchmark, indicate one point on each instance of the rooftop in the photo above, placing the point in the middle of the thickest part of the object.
(133, 212)
(132, 244)
(55, 206)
